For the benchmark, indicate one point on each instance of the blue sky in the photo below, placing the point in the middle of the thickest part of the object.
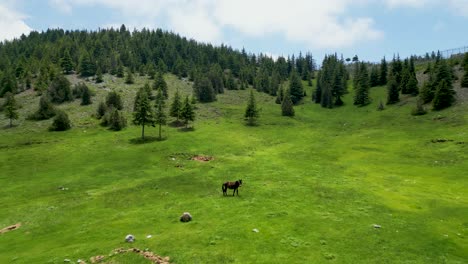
(369, 28)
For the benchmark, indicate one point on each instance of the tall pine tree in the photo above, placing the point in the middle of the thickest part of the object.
(187, 113)
(296, 89)
(143, 113)
(160, 117)
(361, 96)
(251, 112)
(10, 107)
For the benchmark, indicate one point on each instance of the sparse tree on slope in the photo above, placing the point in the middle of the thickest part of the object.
(143, 113)
(295, 88)
(393, 95)
(251, 112)
(160, 116)
(287, 108)
(61, 122)
(383, 72)
(444, 96)
(187, 112)
(176, 106)
(361, 97)
(10, 107)
(160, 83)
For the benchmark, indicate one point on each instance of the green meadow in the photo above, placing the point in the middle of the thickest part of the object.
(316, 186)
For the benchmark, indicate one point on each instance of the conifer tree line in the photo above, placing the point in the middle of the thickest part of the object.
(33, 61)
(331, 82)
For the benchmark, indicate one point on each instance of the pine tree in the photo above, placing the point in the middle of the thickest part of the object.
(99, 77)
(160, 116)
(116, 120)
(61, 122)
(129, 78)
(101, 110)
(113, 99)
(176, 106)
(444, 96)
(317, 94)
(412, 86)
(151, 71)
(464, 82)
(419, 108)
(374, 77)
(143, 114)
(280, 96)
(160, 83)
(60, 90)
(403, 87)
(10, 107)
(66, 62)
(295, 88)
(120, 71)
(46, 109)
(187, 112)
(86, 96)
(204, 90)
(465, 62)
(87, 66)
(427, 92)
(393, 95)
(361, 97)
(327, 96)
(8, 83)
(383, 72)
(251, 112)
(216, 77)
(287, 108)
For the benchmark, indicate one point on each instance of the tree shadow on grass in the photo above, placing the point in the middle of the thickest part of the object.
(148, 139)
(176, 123)
(186, 129)
(10, 127)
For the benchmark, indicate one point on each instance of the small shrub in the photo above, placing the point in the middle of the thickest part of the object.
(381, 106)
(113, 100)
(61, 122)
(46, 110)
(419, 109)
(116, 120)
(101, 110)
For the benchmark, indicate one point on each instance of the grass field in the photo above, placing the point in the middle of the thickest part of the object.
(314, 185)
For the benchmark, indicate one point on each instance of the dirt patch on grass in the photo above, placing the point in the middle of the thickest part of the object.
(10, 228)
(202, 158)
(144, 253)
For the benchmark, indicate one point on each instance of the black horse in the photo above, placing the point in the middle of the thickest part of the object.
(232, 185)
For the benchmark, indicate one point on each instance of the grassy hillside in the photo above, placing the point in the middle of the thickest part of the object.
(314, 185)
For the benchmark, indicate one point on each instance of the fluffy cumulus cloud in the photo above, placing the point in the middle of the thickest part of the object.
(12, 24)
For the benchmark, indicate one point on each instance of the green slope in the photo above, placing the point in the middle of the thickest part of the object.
(314, 185)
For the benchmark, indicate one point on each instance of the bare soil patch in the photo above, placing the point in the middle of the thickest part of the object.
(151, 256)
(202, 158)
(10, 228)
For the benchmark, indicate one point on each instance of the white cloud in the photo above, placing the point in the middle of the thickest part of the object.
(62, 5)
(460, 7)
(407, 3)
(12, 24)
